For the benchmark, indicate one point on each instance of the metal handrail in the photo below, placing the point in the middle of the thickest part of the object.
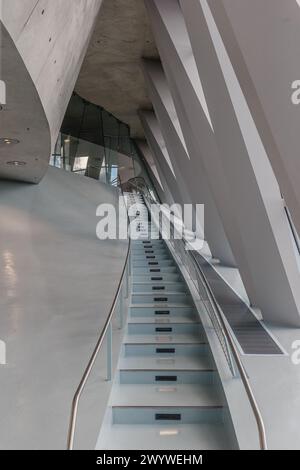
(234, 350)
(91, 363)
(239, 364)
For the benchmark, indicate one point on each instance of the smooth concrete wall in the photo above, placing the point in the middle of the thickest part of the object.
(262, 38)
(51, 38)
(57, 283)
(23, 118)
(254, 219)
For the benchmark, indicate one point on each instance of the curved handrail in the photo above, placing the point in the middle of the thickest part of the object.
(91, 363)
(239, 364)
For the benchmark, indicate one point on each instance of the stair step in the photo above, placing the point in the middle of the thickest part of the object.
(165, 350)
(159, 286)
(162, 338)
(146, 257)
(152, 263)
(167, 377)
(185, 363)
(149, 247)
(201, 436)
(166, 277)
(165, 311)
(173, 329)
(166, 415)
(149, 270)
(160, 395)
(161, 298)
(164, 320)
(150, 241)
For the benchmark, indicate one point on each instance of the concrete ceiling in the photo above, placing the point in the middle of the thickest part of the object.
(111, 75)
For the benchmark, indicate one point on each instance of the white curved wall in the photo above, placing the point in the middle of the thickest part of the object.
(51, 38)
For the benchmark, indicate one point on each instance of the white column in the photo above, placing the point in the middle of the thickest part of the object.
(262, 39)
(158, 179)
(187, 165)
(157, 145)
(243, 184)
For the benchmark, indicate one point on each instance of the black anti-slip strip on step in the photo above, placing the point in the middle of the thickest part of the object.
(168, 417)
(166, 378)
(165, 351)
(253, 338)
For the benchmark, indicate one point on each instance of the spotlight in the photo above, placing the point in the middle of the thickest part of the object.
(16, 163)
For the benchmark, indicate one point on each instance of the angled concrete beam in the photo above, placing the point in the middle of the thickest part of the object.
(267, 69)
(160, 184)
(259, 210)
(157, 146)
(244, 186)
(189, 167)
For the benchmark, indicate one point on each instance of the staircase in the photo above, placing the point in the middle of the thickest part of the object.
(166, 393)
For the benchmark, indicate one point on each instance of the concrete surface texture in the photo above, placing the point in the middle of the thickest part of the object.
(30, 129)
(48, 45)
(267, 78)
(111, 75)
(57, 282)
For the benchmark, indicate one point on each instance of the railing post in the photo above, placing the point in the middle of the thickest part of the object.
(109, 353)
(127, 282)
(129, 265)
(121, 309)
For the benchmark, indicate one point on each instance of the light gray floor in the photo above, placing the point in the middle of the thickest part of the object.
(275, 381)
(57, 281)
(276, 384)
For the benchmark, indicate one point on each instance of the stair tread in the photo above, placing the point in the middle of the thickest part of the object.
(195, 363)
(159, 283)
(204, 436)
(171, 338)
(154, 320)
(165, 395)
(164, 305)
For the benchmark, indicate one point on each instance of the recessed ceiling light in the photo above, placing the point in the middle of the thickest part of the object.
(16, 163)
(8, 141)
